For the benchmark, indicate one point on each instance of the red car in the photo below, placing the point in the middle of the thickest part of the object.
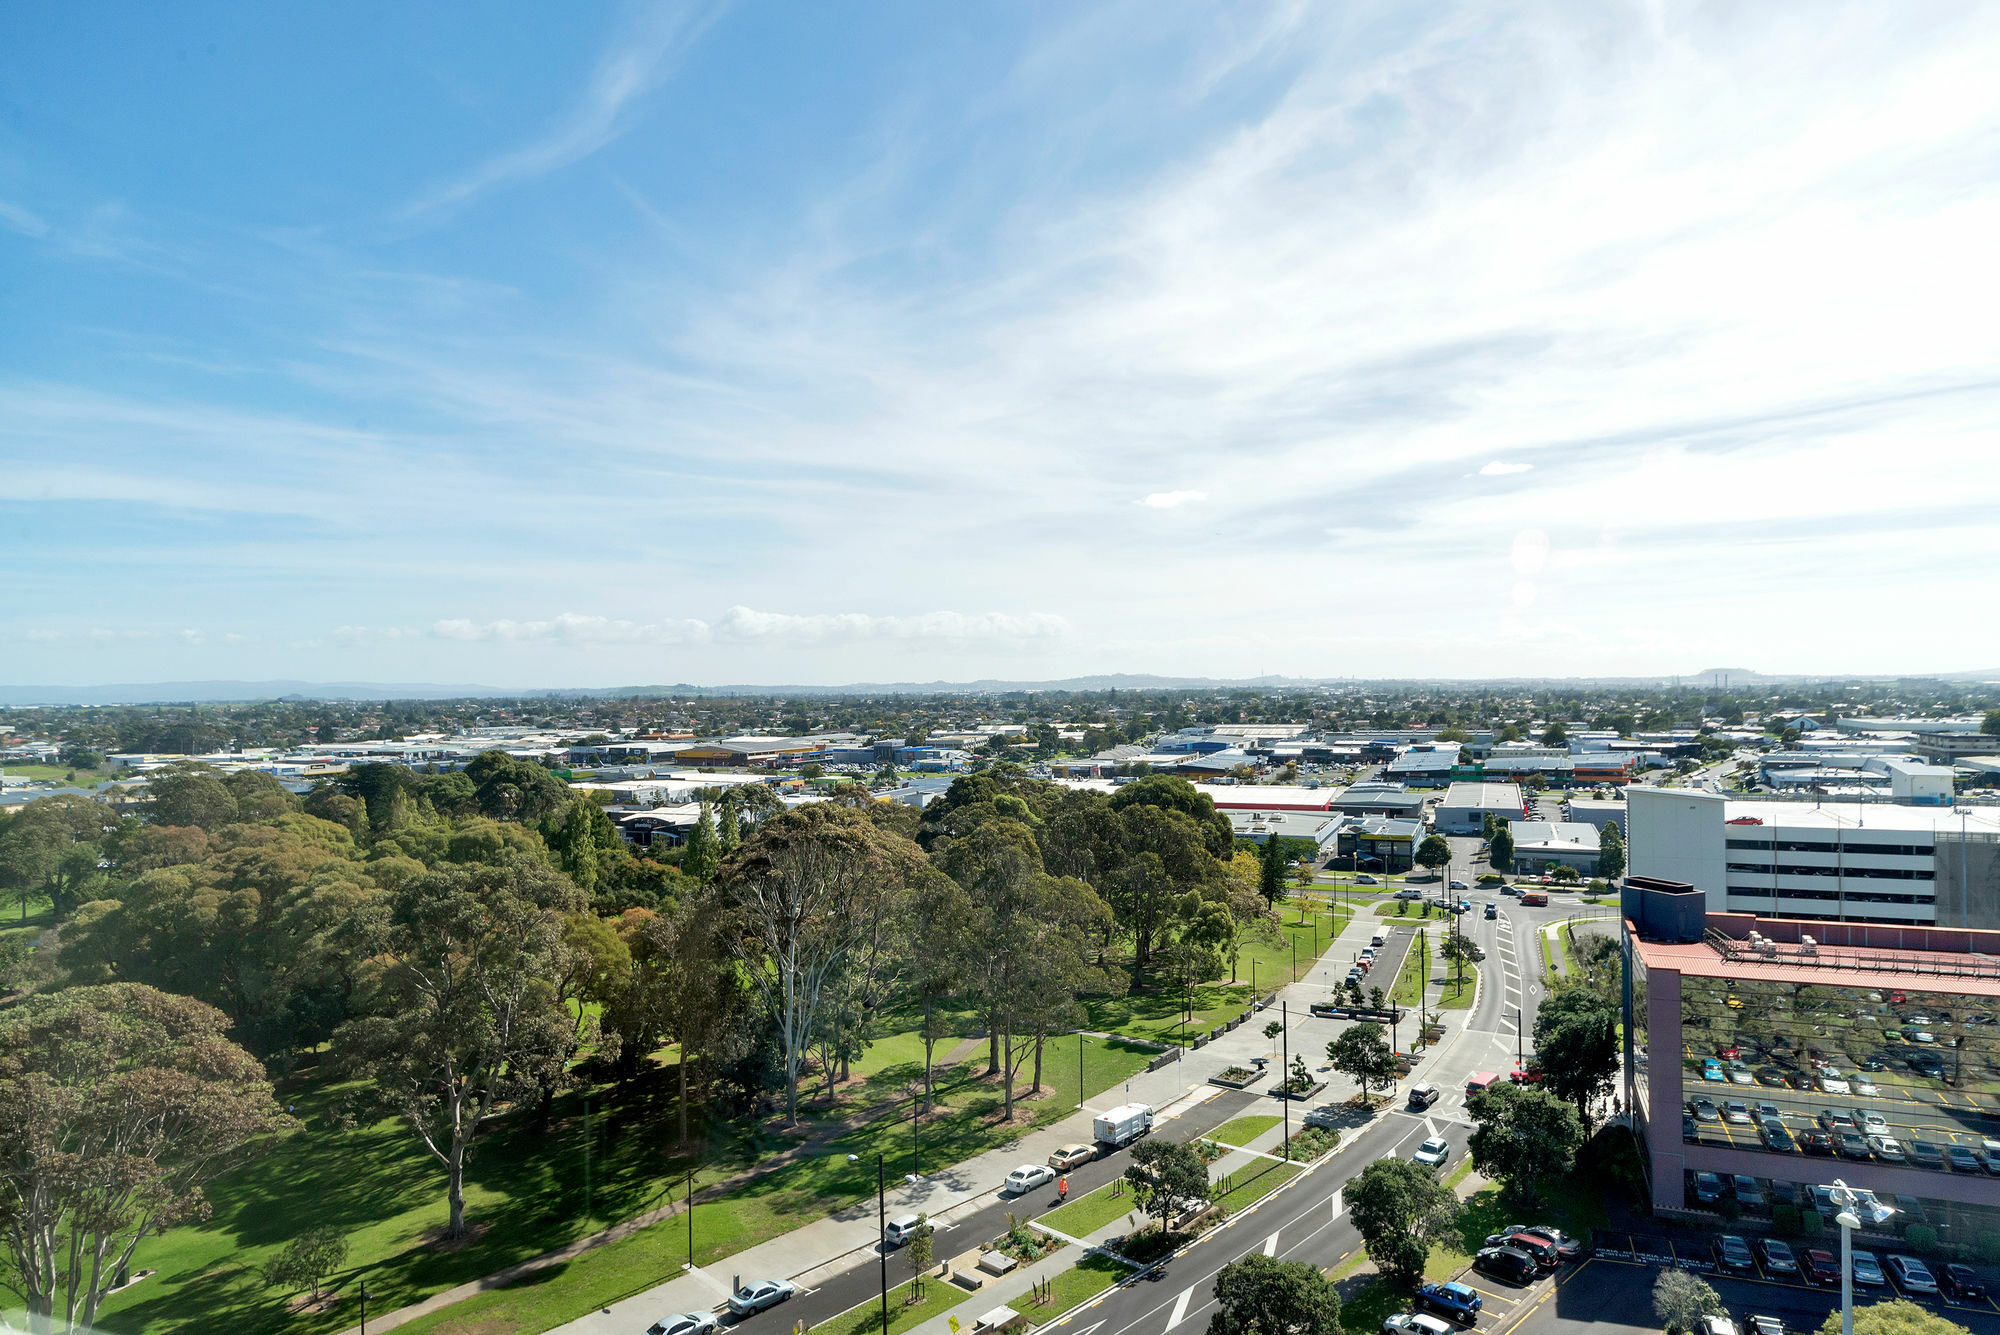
(1819, 1267)
(1730, 1053)
(1897, 998)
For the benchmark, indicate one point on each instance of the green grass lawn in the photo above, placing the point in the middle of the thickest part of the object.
(938, 1297)
(1410, 979)
(1243, 1130)
(85, 778)
(1456, 995)
(1078, 1284)
(525, 1194)
(1086, 1214)
(1152, 1009)
(1247, 1186)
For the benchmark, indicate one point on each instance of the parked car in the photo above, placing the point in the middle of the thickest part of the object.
(1924, 1154)
(683, 1323)
(1324, 1115)
(1912, 1276)
(1707, 1188)
(1567, 1247)
(1765, 1325)
(1736, 1112)
(1886, 1148)
(1960, 1282)
(1072, 1156)
(1509, 1263)
(901, 1229)
(1776, 1257)
(760, 1294)
(1868, 1271)
(1816, 1142)
(1775, 1135)
(1769, 1112)
(1832, 1119)
(1819, 1267)
(1833, 1084)
(1963, 1159)
(1748, 1192)
(1433, 1152)
(1457, 1301)
(1852, 1145)
(1414, 1323)
(1705, 1110)
(1027, 1177)
(1733, 1254)
(1865, 1088)
(1870, 1121)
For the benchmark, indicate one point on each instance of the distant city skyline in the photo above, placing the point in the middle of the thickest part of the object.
(737, 343)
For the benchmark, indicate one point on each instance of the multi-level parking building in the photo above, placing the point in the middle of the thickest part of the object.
(1777, 1055)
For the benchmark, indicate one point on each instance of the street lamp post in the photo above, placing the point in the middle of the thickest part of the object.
(1848, 1223)
(881, 1229)
(690, 1215)
(365, 1296)
(1285, 1079)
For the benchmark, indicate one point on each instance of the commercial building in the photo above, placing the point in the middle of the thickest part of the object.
(1467, 805)
(1375, 798)
(1870, 1051)
(1259, 826)
(1380, 842)
(1597, 811)
(1822, 861)
(1430, 764)
(1572, 844)
(1270, 797)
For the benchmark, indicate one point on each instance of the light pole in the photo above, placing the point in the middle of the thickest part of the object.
(690, 1215)
(365, 1296)
(1285, 1080)
(881, 1230)
(1848, 1223)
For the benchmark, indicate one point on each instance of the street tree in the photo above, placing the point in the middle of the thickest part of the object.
(1434, 852)
(1271, 870)
(1523, 1136)
(1500, 852)
(118, 1104)
(1363, 1052)
(1681, 1300)
(1401, 1209)
(1576, 1038)
(1897, 1316)
(702, 853)
(936, 926)
(462, 1016)
(1261, 1295)
(307, 1259)
(808, 885)
(1610, 851)
(1459, 950)
(1555, 735)
(1168, 1178)
(921, 1246)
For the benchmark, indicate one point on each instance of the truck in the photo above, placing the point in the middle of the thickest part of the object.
(1480, 1080)
(1534, 898)
(1122, 1125)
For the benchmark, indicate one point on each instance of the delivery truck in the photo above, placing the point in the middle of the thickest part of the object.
(1123, 1124)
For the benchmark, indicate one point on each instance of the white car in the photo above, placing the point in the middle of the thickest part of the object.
(1414, 1323)
(1832, 1084)
(757, 1296)
(1886, 1148)
(1865, 1087)
(683, 1323)
(1432, 1152)
(1029, 1176)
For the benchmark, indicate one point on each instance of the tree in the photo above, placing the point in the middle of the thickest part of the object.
(118, 1104)
(1363, 1052)
(464, 1015)
(1261, 1295)
(189, 793)
(937, 924)
(1897, 1316)
(306, 1259)
(920, 1249)
(1576, 1038)
(1433, 852)
(728, 828)
(1523, 1136)
(1459, 950)
(1401, 1209)
(1610, 851)
(1990, 725)
(809, 885)
(703, 852)
(1271, 870)
(1168, 1178)
(1555, 735)
(1501, 851)
(1680, 1301)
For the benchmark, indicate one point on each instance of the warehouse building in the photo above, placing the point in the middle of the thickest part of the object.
(1467, 805)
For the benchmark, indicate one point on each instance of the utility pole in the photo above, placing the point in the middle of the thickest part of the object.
(1285, 1081)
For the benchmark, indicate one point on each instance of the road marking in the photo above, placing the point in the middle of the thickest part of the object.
(1430, 1125)
(1180, 1308)
(1271, 1245)
(1337, 1203)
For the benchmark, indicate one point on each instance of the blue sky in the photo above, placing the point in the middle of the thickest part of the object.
(750, 342)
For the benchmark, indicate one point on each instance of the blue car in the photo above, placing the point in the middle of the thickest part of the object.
(1456, 1301)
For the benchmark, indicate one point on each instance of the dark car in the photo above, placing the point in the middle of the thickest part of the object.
(1770, 1077)
(1456, 1301)
(1733, 1254)
(1707, 1188)
(1820, 1267)
(1777, 1258)
(1962, 1160)
(1853, 1145)
(1775, 1135)
(1689, 1131)
(1816, 1142)
(1567, 1247)
(1959, 1281)
(1924, 1154)
(1509, 1263)
(1798, 1080)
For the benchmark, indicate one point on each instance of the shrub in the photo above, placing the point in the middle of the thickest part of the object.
(1921, 1237)
(1810, 1223)
(1785, 1218)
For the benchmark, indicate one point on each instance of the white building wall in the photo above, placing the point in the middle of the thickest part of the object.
(1676, 834)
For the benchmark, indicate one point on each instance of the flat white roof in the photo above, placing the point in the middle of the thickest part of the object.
(1491, 796)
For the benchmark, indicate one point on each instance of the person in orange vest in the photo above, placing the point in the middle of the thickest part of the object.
(1062, 1188)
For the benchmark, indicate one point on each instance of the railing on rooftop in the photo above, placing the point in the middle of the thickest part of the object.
(1813, 954)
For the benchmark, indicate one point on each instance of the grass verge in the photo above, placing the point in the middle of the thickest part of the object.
(1243, 1130)
(1247, 1186)
(1074, 1286)
(1088, 1213)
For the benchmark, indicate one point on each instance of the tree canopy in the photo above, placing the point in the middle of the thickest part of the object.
(1261, 1295)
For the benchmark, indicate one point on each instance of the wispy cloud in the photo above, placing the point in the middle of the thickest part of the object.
(636, 61)
(1169, 500)
(18, 219)
(1500, 469)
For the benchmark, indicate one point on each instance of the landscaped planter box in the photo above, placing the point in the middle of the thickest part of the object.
(1299, 1095)
(1236, 1077)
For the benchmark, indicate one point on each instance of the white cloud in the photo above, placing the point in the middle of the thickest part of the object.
(743, 623)
(16, 218)
(1499, 469)
(573, 628)
(635, 62)
(1169, 500)
(44, 636)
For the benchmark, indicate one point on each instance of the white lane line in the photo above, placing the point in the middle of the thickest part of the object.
(1271, 1245)
(1337, 1203)
(1180, 1308)
(1430, 1125)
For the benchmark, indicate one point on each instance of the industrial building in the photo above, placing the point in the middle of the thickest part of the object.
(1467, 805)
(1822, 861)
(1538, 844)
